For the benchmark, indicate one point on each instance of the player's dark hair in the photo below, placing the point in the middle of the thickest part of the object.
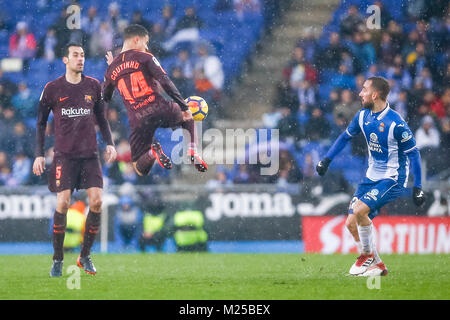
(134, 30)
(381, 85)
(67, 46)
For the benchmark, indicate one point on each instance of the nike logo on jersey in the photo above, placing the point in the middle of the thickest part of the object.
(367, 123)
(62, 99)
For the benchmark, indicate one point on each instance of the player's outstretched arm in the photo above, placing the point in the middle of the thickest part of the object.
(103, 124)
(337, 146)
(105, 129)
(407, 144)
(170, 88)
(41, 124)
(157, 72)
(352, 129)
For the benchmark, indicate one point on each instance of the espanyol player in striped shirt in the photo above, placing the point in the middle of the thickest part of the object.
(392, 150)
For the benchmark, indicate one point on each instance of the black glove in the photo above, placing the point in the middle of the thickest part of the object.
(418, 196)
(322, 166)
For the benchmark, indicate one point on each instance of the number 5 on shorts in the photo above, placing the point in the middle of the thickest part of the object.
(58, 172)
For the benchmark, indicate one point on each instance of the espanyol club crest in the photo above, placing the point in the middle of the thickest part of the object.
(373, 138)
(381, 127)
(372, 194)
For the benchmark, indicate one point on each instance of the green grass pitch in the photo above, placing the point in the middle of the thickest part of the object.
(203, 276)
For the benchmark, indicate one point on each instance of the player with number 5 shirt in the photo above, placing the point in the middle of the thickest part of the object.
(77, 106)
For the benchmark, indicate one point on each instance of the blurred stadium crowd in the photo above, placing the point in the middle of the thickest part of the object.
(201, 44)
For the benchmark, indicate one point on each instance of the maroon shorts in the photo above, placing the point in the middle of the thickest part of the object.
(72, 173)
(163, 115)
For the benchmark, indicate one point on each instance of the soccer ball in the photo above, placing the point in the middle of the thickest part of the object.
(198, 107)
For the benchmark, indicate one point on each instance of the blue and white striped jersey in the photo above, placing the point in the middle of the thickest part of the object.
(388, 139)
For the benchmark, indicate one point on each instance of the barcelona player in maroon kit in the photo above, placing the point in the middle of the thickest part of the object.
(137, 75)
(77, 106)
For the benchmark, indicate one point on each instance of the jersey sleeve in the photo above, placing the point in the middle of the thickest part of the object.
(154, 67)
(407, 145)
(416, 166)
(354, 127)
(45, 106)
(107, 88)
(405, 137)
(100, 116)
(157, 72)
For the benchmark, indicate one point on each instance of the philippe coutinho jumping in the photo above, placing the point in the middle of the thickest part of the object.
(138, 76)
(77, 106)
(392, 150)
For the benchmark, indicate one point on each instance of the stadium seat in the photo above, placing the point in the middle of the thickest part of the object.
(39, 65)
(4, 37)
(324, 92)
(15, 77)
(37, 81)
(4, 50)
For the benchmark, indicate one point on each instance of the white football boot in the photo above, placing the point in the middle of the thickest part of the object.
(362, 264)
(378, 269)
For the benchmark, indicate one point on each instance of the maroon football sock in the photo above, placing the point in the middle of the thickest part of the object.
(189, 125)
(90, 231)
(145, 163)
(59, 229)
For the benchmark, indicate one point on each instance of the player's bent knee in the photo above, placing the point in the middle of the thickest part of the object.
(62, 205)
(360, 212)
(62, 209)
(96, 204)
(63, 201)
